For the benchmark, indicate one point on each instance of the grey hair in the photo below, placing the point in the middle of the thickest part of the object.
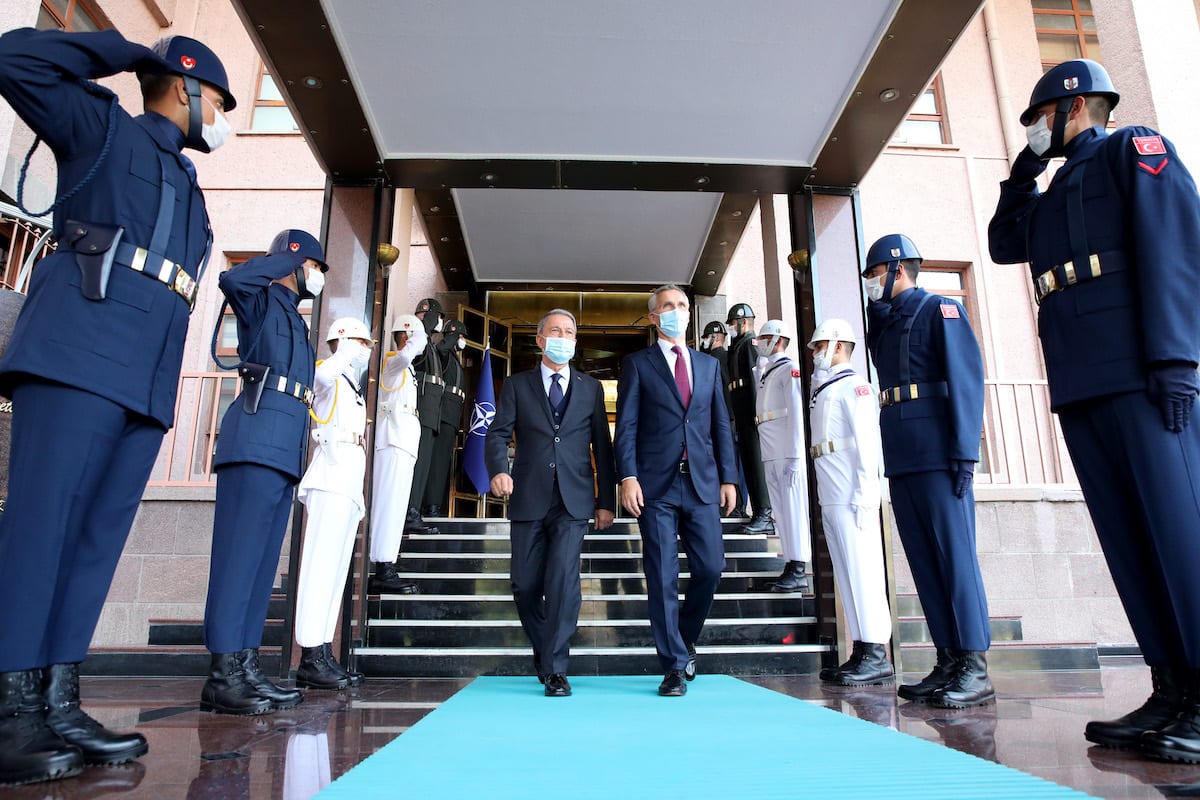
(552, 312)
(666, 287)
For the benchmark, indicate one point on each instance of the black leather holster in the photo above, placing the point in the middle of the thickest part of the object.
(254, 381)
(95, 247)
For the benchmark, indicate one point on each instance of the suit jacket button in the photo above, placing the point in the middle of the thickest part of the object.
(551, 465)
(556, 439)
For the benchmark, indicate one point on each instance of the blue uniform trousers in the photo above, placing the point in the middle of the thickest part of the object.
(680, 516)
(77, 469)
(1142, 487)
(545, 581)
(253, 505)
(938, 533)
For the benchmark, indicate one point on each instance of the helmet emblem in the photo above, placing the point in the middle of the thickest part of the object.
(1070, 83)
(188, 62)
(295, 247)
(895, 252)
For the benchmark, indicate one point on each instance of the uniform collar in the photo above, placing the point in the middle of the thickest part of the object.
(908, 299)
(167, 133)
(1085, 141)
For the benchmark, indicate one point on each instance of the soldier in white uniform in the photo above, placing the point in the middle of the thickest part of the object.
(332, 492)
(846, 452)
(397, 437)
(779, 414)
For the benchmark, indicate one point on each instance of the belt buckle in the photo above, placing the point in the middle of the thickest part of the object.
(1047, 283)
(684, 467)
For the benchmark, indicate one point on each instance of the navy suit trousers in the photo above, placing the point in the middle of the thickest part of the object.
(545, 581)
(680, 516)
(938, 533)
(253, 505)
(1142, 487)
(77, 469)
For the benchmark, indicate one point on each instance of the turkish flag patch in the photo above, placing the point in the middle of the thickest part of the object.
(1149, 145)
(949, 311)
(863, 391)
(795, 373)
(188, 62)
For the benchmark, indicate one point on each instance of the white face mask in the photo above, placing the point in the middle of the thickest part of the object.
(216, 134)
(819, 377)
(823, 361)
(875, 288)
(314, 281)
(462, 343)
(438, 325)
(1039, 135)
(360, 355)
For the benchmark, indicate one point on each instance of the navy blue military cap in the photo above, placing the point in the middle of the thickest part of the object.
(1068, 79)
(301, 243)
(188, 57)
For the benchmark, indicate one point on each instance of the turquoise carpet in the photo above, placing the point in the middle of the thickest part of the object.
(616, 739)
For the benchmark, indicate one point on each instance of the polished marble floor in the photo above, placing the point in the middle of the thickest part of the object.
(1035, 726)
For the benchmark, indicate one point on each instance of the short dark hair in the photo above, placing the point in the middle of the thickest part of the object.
(156, 85)
(912, 266)
(1099, 108)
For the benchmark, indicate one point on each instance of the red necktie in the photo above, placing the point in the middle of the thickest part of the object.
(681, 377)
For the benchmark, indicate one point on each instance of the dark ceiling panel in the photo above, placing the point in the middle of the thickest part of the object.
(727, 228)
(916, 43)
(294, 40)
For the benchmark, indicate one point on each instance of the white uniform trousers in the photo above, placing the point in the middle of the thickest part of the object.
(789, 506)
(389, 501)
(306, 770)
(324, 564)
(857, 555)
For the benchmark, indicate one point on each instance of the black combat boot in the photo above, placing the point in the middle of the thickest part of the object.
(315, 672)
(280, 698)
(355, 677)
(969, 685)
(30, 750)
(99, 745)
(227, 691)
(387, 581)
(1179, 739)
(872, 669)
(1165, 702)
(922, 691)
(414, 524)
(792, 579)
(829, 674)
(761, 522)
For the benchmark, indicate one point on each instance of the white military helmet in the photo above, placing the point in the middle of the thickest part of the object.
(832, 330)
(348, 328)
(772, 330)
(407, 323)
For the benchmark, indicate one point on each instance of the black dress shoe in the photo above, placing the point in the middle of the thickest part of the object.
(387, 581)
(689, 671)
(872, 669)
(355, 677)
(557, 685)
(969, 685)
(414, 524)
(829, 674)
(673, 685)
(99, 745)
(922, 691)
(315, 672)
(228, 692)
(792, 579)
(30, 752)
(1163, 705)
(760, 523)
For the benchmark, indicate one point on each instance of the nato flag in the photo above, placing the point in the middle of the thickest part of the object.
(481, 420)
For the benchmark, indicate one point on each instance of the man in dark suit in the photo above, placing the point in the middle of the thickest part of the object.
(559, 419)
(675, 455)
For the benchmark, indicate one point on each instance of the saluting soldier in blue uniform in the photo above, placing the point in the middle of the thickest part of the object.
(1112, 246)
(259, 460)
(931, 423)
(93, 364)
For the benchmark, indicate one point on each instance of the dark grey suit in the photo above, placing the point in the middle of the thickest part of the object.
(554, 494)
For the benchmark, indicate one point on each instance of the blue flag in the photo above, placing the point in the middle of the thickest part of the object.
(481, 420)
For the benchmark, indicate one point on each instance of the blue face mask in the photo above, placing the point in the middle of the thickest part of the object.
(673, 323)
(559, 350)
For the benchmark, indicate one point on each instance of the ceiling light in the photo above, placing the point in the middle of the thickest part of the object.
(311, 82)
(888, 95)
(702, 180)
(445, 238)
(434, 209)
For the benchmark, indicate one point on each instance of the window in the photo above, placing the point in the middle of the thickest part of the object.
(926, 122)
(69, 15)
(1066, 29)
(270, 112)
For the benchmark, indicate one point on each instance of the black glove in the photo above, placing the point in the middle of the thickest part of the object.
(1027, 167)
(964, 473)
(1172, 386)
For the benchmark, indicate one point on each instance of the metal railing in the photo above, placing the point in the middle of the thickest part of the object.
(20, 237)
(1022, 441)
(187, 452)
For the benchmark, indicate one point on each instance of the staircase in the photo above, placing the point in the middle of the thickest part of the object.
(464, 622)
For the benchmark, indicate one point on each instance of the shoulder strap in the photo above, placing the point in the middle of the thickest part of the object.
(905, 371)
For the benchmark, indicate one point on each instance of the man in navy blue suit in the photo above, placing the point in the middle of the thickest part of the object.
(674, 458)
(558, 416)
(1111, 248)
(93, 364)
(259, 460)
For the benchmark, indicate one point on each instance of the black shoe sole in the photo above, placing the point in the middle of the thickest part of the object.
(1175, 756)
(886, 681)
(53, 774)
(954, 704)
(237, 712)
(116, 759)
(323, 687)
(672, 693)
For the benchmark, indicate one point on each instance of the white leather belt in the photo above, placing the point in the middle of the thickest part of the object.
(388, 408)
(767, 416)
(832, 446)
(339, 437)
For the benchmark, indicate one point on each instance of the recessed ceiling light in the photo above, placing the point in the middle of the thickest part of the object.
(311, 82)
(888, 95)
(702, 180)
(445, 238)
(434, 209)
